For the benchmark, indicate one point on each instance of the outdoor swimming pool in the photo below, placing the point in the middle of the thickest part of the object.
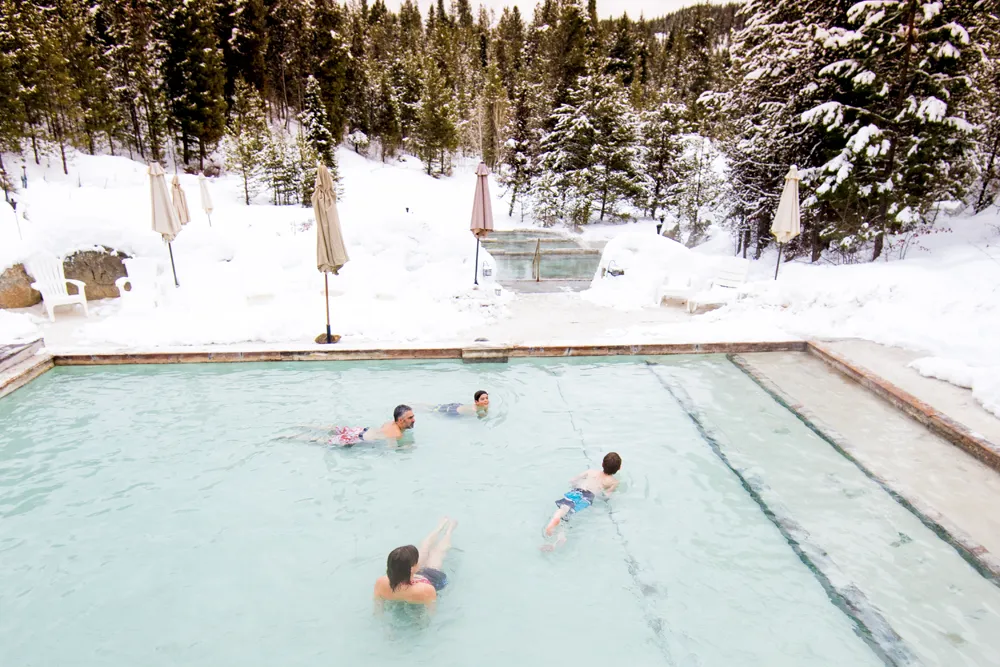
(154, 515)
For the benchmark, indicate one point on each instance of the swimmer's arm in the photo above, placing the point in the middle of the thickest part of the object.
(378, 603)
(576, 479)
(611, 488)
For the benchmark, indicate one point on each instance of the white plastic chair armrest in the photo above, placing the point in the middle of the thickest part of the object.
(35, 287)
(80, 285)
(122, 282)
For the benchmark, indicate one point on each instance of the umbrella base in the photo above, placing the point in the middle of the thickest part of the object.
(321, 339)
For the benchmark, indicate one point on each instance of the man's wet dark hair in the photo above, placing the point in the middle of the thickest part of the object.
(399, 564)
(400, 411)
(612, 463)
(479, 395)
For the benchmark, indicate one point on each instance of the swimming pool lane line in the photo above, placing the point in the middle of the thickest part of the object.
(653, 621)
(964, 550)
(869, 624)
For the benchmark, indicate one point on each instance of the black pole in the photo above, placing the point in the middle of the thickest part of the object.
(174, 268)
(476, 279)
(778, 263)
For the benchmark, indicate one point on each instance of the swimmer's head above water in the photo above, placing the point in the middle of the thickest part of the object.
(612, 463)
(403, 416)
(482, 400)
(401, 565)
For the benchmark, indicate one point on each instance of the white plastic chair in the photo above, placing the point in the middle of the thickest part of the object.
(143, 282)
(676, 287)
(51, 281)
(730, 275)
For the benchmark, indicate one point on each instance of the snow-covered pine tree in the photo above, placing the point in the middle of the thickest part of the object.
(308, 159)
(387, 123)
(518, 151)
(332, 51)
(52, 99)
(89, 68)
(984, 105)
(282, 167)
(316, 128)
(11, 91)
(436, 131)
(248, 44)
(194, 75)
(775, 60)
(895, 132)
(246, 139)
(699, 187)
(358, 74)
(587, 162)
(492, 115)
(661, 149)
(509, 48)
(407, 84)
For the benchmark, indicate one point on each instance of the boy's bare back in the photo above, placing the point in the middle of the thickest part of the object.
(596, 481)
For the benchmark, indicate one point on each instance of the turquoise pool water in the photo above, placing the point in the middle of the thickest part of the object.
(157, 515)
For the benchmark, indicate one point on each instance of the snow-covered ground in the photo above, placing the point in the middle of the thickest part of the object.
(251, 276)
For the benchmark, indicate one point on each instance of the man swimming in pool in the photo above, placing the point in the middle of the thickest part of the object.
(348, 436)
(414, 575)
(480, 406)
(585, 487)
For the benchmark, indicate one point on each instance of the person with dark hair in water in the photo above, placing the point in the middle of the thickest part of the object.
(414, 574)
(585, 487)
(480, 406)
(348, 436)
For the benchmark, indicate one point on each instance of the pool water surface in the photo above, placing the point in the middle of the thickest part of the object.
(165, 515)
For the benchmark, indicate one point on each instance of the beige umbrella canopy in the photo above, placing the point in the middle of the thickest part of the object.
(165, 222)
(787, 225)
(180, 201)
(206, 198)
(482, 211)
(331, 255)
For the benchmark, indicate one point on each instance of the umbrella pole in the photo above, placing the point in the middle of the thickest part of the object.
(475, 280)
(172, 267)
(326, 282)
(778, 263)
(209, 219)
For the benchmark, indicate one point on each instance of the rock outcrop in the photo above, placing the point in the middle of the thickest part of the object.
(98, 268)
(15, 288)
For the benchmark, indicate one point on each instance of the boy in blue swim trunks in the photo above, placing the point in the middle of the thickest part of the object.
(586, 486)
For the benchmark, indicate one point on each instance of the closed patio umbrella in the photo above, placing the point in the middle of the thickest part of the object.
(787, 225)
(165, 222)
(206, 198)
(331, 255)
(180, 201)
(482, 210)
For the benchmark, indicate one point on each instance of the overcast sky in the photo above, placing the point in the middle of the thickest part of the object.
(605, 8)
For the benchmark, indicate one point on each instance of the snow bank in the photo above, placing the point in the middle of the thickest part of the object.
(647, 259)
(984, 381)
(17, 327)
(944, 300)
(251, 276)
